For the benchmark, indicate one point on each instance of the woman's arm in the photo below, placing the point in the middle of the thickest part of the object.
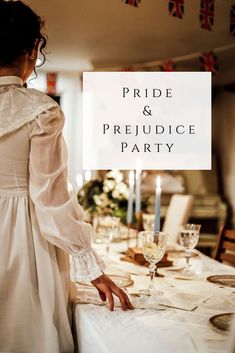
(59, 215)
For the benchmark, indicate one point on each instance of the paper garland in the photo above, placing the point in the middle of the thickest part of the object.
(176, 8)
(167, 65)
(232, 20)
(156, 65)
(51, 83)
(127, 68)
(135, 3)
(207, 14)
(209, 62)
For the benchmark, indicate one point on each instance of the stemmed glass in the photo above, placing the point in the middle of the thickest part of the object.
(188, 238)
(154, 247)
(108, 227)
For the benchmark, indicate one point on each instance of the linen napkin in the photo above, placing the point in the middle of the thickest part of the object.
(176, 300)
(90, 296)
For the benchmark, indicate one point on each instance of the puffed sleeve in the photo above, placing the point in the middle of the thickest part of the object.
(59, 215)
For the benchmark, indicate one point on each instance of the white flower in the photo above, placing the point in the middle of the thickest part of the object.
(105, 189)
(101, 200)
(116, 194)
(122, 189)
(108, 185)
(97, 200)
(116, 175)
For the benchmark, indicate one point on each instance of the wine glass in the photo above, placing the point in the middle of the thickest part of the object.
(108, 227)
(154, 247)
(188, 238)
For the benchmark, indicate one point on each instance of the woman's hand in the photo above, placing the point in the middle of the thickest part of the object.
(106, 288)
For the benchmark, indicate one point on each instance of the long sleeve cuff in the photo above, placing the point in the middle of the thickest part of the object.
(86, 265)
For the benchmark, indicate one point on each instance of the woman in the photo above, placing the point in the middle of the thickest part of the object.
(40, 223)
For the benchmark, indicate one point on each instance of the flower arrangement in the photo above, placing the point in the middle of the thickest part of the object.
(106, 197)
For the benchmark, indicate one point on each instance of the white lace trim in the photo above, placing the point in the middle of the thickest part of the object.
(86, 266)
(6, 128)
(19, 105)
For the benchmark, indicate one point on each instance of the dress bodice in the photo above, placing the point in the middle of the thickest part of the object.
(14, 152)
(19, 107)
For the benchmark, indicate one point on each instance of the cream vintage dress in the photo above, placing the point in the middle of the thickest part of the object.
(39, 224)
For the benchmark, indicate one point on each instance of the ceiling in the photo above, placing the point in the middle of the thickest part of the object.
(101, 33)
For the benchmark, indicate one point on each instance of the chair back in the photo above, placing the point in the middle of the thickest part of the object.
(177, 214)
(225, 246)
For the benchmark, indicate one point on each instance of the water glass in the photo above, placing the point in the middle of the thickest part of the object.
(108, 228)
(188, 238)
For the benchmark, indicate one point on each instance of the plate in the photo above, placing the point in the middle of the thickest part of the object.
(175, 268)
(120, 281)
(222, 321)
(223, 280)
(178, 254)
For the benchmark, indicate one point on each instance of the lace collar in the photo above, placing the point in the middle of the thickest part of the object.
(11, 80)
(19, 105)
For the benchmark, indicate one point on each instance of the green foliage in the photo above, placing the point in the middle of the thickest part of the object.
(107, 197)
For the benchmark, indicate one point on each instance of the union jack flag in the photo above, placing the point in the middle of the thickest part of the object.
(207, 14)
(209, 62)
(167, 65)
(176, 8)
(232, 20)
(127, 68)
(135, 3)
(51, 83)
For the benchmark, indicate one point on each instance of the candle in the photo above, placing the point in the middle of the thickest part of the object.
(157, 205)
(79, 180)
(138, 191)
(130, 199)
(87, 175)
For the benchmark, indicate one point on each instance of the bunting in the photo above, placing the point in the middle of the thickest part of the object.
(176, 8)
(127, 68)
(51, 83)
(232, 20)
(207, 14)
(135, 3)
(209, 62)
(167, 65)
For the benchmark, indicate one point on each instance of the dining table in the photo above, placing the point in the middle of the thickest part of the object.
(175, 320)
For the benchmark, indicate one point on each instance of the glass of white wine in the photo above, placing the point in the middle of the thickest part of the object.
(188, 238)
(154, 247)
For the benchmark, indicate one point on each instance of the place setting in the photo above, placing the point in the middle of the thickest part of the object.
(153, 247)
(222, 321)
(223, 280)
(159, 267)
(147, 257)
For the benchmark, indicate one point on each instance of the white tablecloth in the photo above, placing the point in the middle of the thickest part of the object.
(152, 331)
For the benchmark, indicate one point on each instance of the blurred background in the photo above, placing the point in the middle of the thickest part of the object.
(114, 35)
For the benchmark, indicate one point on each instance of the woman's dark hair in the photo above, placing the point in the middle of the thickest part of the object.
(20, 27)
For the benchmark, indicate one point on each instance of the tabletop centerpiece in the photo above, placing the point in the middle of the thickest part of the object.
(105, 196)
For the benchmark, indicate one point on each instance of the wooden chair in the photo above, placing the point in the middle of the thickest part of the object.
(177, 214)
(225, 247)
